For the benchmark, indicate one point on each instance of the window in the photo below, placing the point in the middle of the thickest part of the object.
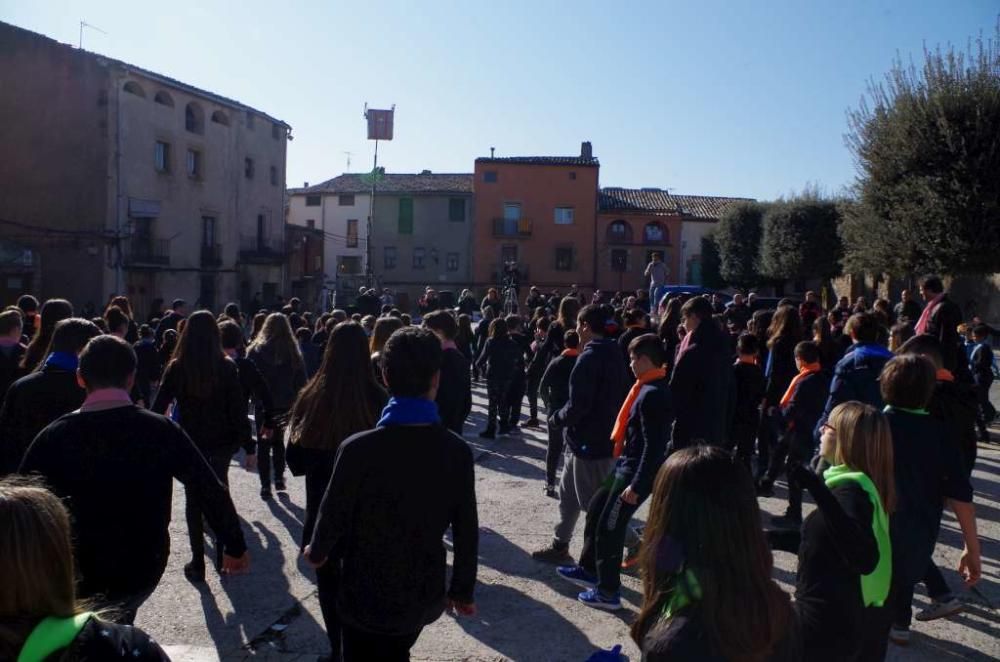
(508, 254)
(207, 231)
(194, 118)
(418, 258)
(654, 233)
(194, 164)
(456, 209)
(564, 216)
(133, 87)
(512, 211)
(345, 200)
(161, 156)
(349, 264)
(311, 223)
(274, 175)
(389, 257)
(619, 231)
(313, 201)
(352, 233)
(248, 168)
(451, 262)
(564, 259)
(261, 231)
(163, 99)
(276, 131)
(250, 120)
(219, 117)
(406, 216)
(490, 176)
(619, 260)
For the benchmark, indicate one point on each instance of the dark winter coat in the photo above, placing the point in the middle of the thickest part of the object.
(33, 402)
(702, 388)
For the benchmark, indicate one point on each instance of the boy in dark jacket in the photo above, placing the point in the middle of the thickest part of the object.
(11, 348)
(497, 361)
(148, 368)
(981, 364)
(597, 387)
(454, 396)
(928, 471)
(538, 361)
(640, 436)
(255, 389)
(554, 389)
(510, 413)
(749, 380)
(801, 407)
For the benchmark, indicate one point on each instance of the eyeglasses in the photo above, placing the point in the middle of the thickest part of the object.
(827, 426)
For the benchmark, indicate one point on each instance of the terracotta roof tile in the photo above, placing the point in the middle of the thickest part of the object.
(705, 206)
(649, 200)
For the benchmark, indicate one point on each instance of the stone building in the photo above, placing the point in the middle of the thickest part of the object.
(142, 184)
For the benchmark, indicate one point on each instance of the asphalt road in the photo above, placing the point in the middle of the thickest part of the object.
(525, 611)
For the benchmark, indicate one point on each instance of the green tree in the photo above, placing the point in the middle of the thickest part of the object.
(800, 239)
(710, 276)
(927, 146)
(738, 236)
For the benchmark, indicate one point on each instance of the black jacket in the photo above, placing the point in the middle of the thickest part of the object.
(554, 387)
(256, 392)
(954, 404)
(802, 413)
(284, 379)
(394, 493)
(454, 396)
(783, 370)
(683, 638)
(218, 422)
(167, 322)
(597, 387)
(943, 325)
(646, 436)
(702, 388)
(10, 366)
(114, 469)
(33, 402)
(98, 641)
(749, 382)
(500, 359)
(908, 312)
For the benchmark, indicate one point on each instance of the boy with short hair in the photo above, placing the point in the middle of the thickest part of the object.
(11, 348)
(640, 437)
(454, 396)
(554, 389)
(981, 364)
(928, 473)
(750, 388)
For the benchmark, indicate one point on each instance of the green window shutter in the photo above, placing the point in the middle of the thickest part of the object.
(406, 216)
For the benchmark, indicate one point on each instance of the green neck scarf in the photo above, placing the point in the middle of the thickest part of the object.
(50, 635)
(874, 586)
(686, 590)
(918, 412)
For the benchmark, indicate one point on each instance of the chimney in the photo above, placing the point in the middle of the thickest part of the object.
(586, 151)
(425, 172)
(305, 184)
(492, 149)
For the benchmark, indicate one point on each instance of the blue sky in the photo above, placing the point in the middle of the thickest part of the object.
(708, 97)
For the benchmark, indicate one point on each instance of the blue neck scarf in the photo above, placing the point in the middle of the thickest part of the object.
(63, 360)
(870, 350)
(409, 411)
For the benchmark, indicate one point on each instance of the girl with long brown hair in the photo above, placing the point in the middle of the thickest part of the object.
(341, 399)
(204, 387)
(783, 334)
(276, 353)
(53, 312)
(706, 568)
(845, 554)
(384, 327)
(39, 590)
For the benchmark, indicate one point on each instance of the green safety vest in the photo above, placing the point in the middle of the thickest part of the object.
(51, 635)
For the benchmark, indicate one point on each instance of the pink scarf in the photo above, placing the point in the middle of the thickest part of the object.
(925, 316)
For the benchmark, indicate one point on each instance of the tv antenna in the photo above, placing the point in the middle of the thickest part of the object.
(84, 24)
(348, 161)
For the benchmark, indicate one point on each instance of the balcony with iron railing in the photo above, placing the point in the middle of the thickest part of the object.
(211, 255)
(145, 252)
(512, 227)
(261, 250)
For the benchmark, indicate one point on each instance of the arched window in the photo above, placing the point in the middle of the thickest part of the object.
(619, 232)
(194, 118)
(220, 117)
(164, 99)
(133, 87)
(655, 233)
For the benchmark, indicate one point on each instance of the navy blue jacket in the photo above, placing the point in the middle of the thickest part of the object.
(801, 414)
(597, 388)
(856, 378)
(646, 436)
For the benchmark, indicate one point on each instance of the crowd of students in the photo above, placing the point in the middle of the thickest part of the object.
(874, 413)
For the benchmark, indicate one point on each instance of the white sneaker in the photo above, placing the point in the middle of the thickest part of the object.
(938, 610)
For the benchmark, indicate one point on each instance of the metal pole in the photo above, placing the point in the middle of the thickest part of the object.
(369, 272)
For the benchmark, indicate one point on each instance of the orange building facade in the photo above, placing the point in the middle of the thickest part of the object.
(540, 213)
(632, 224)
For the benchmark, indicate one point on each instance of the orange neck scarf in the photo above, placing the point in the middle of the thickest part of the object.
(570, 352)
(749, 360)
(807, 369)
(945, 375)
(618, 433)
